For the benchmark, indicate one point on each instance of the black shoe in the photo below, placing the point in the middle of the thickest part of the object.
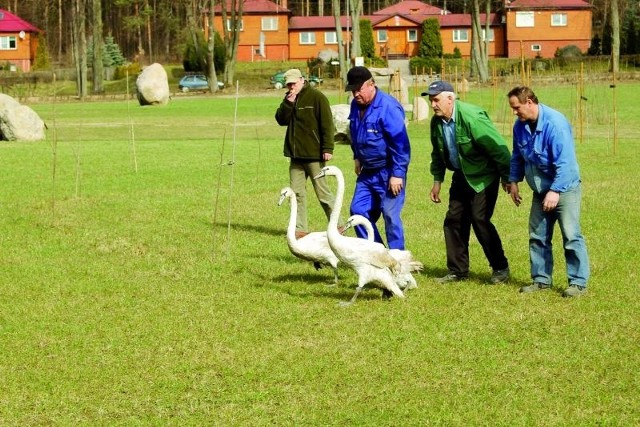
(535, 287)
(500, 276)
(450, 278)
(574, 291)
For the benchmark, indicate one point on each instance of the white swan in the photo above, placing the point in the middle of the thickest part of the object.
(370, 260)
(408, 264)
(314, 246)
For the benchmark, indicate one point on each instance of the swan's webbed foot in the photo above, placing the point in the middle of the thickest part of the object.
(387, 294)
(353, 298)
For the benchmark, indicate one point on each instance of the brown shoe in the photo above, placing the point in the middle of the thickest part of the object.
(300, 234)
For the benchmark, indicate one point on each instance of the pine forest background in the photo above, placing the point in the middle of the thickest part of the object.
(148, 31)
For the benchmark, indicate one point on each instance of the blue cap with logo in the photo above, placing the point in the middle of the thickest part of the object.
(438, 86)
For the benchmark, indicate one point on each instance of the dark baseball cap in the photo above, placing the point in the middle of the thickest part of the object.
(356, 77)
(438, 86)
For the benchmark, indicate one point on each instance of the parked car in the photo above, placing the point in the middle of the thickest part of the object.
(277, 80)
(196, 82)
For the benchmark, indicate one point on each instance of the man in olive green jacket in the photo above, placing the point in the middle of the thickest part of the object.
(308, 142)
(465, 141)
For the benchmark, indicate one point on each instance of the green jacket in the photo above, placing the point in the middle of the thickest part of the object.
(309, 122)
(483, 154)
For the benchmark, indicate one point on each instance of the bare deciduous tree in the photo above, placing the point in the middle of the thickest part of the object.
(96, 13)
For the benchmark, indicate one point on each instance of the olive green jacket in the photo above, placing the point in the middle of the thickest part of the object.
(309, 121)
(483, 153)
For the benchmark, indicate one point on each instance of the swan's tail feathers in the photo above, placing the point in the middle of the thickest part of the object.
(416, 266)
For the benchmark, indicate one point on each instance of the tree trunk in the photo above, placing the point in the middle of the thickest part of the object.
(615, 37)
(80, 46)
(356, 11)
(231, 36)
(212, 78)
(60, 39)
(98, 44)
(341, 54)
(479, 60)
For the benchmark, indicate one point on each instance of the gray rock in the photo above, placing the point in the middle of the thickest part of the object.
(340, 114)
(153, 86)
(420, 108)
(327, 55)
(19, 122)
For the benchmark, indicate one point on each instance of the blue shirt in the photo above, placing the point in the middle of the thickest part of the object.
(449, 131)
(379, 139)
(545, 156)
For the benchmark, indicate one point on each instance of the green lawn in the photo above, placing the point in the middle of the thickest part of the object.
(145, 280)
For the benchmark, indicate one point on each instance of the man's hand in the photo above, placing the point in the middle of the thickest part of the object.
(327, 156)
(395, 185)
(356, 166)
(550, 201)
(292, 95)
(435, 192)
(514, 192)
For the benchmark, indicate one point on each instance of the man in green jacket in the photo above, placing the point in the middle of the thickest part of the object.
(308, 142)
(466, 142)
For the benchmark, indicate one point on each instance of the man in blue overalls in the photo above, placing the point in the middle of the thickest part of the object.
(381, 152)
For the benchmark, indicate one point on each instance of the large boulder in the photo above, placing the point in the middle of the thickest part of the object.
(153, 86)
(420, 108)
(328, 55)
(340, 114)
(19, 122)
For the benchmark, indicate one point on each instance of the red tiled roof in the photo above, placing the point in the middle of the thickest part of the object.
(409, 7)
(547, 4)
(10, 23)
(318, 22)
(328, 22)
(464, 20)
(255, 6)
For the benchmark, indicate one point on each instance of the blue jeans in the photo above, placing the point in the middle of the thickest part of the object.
(541, 225)
(373, 198)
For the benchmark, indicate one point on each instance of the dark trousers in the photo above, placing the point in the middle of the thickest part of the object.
(470, 209)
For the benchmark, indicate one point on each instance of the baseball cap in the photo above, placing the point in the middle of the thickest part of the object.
(356, 77)
(292, 76)
(438, 86)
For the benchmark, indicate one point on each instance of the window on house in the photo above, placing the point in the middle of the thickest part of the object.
(240, 25)
(524, 19)
(269, 23)
(8, 43)
(382, 36)
(558, 19)
(484, 38)
(308, 38)
(330, 37)
(412, 35)
(536, 47)
(461, 35)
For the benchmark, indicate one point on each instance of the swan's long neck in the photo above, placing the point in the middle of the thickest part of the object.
(291, 230)
(337, 206)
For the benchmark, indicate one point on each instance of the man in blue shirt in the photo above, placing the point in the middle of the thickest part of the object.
(381, 153)
(544, 154)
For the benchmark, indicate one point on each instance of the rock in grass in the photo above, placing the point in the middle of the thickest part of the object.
(19, 122)
(153, 86)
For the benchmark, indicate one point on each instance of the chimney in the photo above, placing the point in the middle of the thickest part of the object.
(283, 4)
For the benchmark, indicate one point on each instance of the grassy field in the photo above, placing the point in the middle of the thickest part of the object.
(145, 280)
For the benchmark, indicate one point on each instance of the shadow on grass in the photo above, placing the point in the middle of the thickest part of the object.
(483, 279)
(318, 286)
(252, 228)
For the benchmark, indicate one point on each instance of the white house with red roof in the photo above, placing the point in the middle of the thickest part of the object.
(18, 41)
